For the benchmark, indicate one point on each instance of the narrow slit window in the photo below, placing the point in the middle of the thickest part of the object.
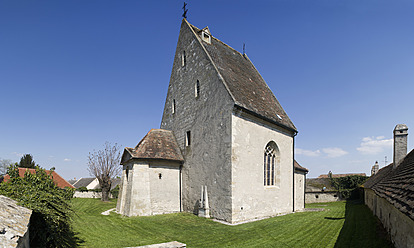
(188, 138)
(173, 107)
(197, 89)
(183, 59)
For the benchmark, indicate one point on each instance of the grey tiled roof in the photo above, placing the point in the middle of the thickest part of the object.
(244, 83)
(157, 144)
(396, 185)
(298, 167)
(83, 182)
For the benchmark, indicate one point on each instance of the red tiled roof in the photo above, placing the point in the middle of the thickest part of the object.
(59, 181)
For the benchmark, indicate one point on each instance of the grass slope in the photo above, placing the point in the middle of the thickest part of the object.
(343, 225)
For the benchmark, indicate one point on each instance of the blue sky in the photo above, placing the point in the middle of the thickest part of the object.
(74, 74)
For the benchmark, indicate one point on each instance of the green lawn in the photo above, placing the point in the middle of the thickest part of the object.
(343, 225)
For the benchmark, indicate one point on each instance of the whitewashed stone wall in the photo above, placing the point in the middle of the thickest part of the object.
(250, 198)
(399, 226)
(208, 118)
(143, 192)
(300, 178)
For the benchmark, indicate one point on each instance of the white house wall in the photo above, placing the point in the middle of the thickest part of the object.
(250, 198)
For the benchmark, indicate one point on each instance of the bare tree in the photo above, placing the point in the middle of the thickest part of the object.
(105, 165)
(4, 164)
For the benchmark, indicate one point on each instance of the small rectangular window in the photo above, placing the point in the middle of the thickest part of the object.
(173, 107)
(188, 138)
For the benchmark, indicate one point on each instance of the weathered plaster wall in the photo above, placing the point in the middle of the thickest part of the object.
(208, 117)
(399, 226)
(317, 197)
(251, 199)
(164, 191)
(299, 190)
(136, 191)
(143, 192)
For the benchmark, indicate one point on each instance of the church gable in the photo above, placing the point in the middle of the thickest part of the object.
(244, 83)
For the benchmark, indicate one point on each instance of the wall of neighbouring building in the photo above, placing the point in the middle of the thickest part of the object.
(399, 226)
(322, 196)
(89, 194)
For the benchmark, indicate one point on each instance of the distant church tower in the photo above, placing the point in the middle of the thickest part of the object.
(374, 168)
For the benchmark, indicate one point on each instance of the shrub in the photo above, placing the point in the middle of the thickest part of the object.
(82, 189)
(50, 224)
(348, 186)
(115, 192)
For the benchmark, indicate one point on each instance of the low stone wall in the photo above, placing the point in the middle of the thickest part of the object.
(323, 196)
(89, 194)
(14, 224)
(399, 226)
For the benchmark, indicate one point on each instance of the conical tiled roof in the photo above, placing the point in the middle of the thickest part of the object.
(157, 144)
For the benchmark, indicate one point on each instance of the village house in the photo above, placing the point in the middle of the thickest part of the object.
(59, 181)
(389, 193)
(225, 148)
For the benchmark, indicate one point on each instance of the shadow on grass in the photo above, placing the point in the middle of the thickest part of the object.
(361, 228)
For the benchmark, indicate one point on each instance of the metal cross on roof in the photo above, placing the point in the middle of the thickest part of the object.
(185, 10)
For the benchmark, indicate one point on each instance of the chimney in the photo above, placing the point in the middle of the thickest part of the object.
(400, 143)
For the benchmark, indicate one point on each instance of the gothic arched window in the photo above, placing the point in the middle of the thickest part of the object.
(270, 161)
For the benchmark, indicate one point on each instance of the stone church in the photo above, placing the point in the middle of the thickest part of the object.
(225, 148)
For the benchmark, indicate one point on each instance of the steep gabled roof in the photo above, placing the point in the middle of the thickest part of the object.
(244, 83)
(157, 144)
(59, 181)
(396, 185)
(300, 168)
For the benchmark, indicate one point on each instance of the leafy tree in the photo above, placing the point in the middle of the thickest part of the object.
(105, 165)
(348, 185)
(27, 161)
(50, 224)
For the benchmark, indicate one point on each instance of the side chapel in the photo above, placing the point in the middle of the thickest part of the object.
(225, 148)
